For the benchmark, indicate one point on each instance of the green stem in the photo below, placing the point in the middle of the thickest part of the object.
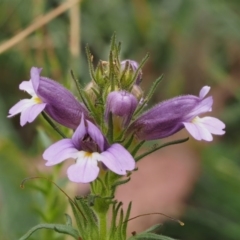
(48, 119)
(159, 147)
(103, 225)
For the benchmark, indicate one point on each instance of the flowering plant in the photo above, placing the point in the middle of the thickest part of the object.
(110, 125)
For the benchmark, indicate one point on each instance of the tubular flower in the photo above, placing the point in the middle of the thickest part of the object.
(122, 104)
(88, 146)
(170, 116)
(50, 96)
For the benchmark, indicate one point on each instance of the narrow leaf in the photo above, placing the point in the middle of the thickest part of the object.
(90, 65)
(153, 228)
(135, 150)
(161, 146)
(60, 228)
(150, 236)
(125, 222)
(149, 95)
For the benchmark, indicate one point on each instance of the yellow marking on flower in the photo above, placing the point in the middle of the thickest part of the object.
(87, 154)
(195, 120)
(37, 100)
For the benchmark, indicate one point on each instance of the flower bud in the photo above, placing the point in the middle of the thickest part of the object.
(132, 67)
(122, 104)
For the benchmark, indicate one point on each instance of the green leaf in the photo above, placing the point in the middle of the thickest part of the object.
(153, 228)
(90, 222)
(113, 228)
(149, 236)
(78, 217)
(149, 95)
(60, 228)
(125, 222)
(68, 220)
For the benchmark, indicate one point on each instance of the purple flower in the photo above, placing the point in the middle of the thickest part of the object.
(122, 104)
(50, 96)
(170, 116)
(133, 66)
(88, 146)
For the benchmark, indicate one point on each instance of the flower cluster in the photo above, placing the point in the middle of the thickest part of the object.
(101, 133)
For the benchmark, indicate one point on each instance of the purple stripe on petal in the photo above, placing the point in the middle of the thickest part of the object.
(118, 159)
(85, 170)
(60, 151)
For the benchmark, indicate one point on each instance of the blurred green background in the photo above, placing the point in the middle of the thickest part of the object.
(192, 42)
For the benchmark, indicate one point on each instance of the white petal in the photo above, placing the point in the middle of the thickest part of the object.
(28, 87)
(29, 114)
(20, 106)
(213, 125)
(193, 130)
(85, 169)
(198, 131)
(204, 91)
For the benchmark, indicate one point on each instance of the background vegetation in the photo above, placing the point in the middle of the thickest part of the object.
(193, 43)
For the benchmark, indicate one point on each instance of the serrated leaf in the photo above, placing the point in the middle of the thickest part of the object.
(60, 228)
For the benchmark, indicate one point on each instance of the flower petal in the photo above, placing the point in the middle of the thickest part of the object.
(118, 159)
(203, 106)
(35, 77)
(85, 169)
(79, 133)
(28, 87)
(29, 114)
(60, 151)
(198, 131)
(204, 91)
(95, 134)
(213, 125)
(20, 106)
